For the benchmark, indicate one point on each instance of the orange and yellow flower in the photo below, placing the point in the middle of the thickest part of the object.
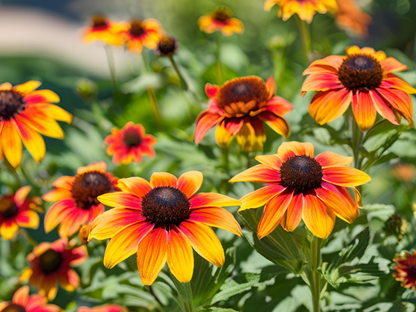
(141, 33)
(238, 108)
(221, 19)
(18, 211)
(130, 144)
(76, 198)
(305, 9)
(24, 113)
(104, 30)
(161, 221)
(104, 308)
(363, 77)
(299, 186)
(22, 302)
(405, 270)
(350, 17)
(51, 264)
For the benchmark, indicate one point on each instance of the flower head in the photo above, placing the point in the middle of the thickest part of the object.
(238, 108)
(301, 186)
(351, 18)
(130, 144)
(405, 270)
(24, 113)
(141, 33)
(104, 30)
(104, 308)
(305, 9)
(22, 302)
(50, 265)
(76, 198)
(363, 77)
(221, 19)
(160, 221)
(18, 211)
(166, 46)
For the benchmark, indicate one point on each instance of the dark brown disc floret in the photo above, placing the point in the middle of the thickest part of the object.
(360, 71)
(88, 186)
(165, 205)
(8, 207)
(166, 46)
(301, 173)
(50, 261)
(222, 14)
(12, 307)
(132, 137)
(136, 28)
(99, 21)
(11, 104)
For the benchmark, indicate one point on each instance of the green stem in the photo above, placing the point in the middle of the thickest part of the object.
(182, 81)
(315, 284)
(306, 37)
(13, 171)
(155, 108)
(356, 141)
(219, 69)
(110, 60)
(225, 160)
(185, 295)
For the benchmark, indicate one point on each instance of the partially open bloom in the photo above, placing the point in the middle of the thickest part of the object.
(50, 265)
(104, 30)
(76, 198)
(221, 19)
(238, 108)
(104, 308)
(23, 113)
(405, 270)
(141, 33)
(363, 77)
(305, 9)
(18, 211)
(352, 19)
(130, 144)
(166, 46)
(22, 302)
(160, 221)
(299, 186)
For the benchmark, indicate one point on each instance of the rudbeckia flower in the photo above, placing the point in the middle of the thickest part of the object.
(305, 9)
(104, 308)
(350, 17)
(405, 270)
(76, 198)
(18, 211)
(22, 302)
(23, 113)
(363, 77)
(104, 30)
(161, 221)
(238, 108)
(142, 33)
(299, 186)
(50, 265)
(130, 144)
(221, 19)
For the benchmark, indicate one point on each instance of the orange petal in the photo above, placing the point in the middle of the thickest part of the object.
(64, 182)
(318, 218)
(258, 173)
(204, 241)
(216, 217)
(345, 176)
(190, 182)
(330, 159)
(42, 96)
(212, 200)
(295, 147)
(180, 255)
(110, 222)
(400, 101)
(163, 179)
(69, 280)
(55, 112)
(6, 86)
(293, 214)
(392, 81)
(390, 64)
(329, 105)
(33, 141)
(273, 213)
(136, 186)
(41, 122)
(118, 199)
(271, 86)
(339, 201)
(277, 123)
(205, 122)
(57, 213)
(21, 296)
(383, 108)
(151, 255)
(261, 196)
(21, 194)
(28, 219)
(334, 61)
(268, 4)
(98, 166)
(279, 106)
(322, 82)
(125, 242)
(27, 87)
(11, 143)
(270, 160)
(364, 110)
(134, 46)
(57, 194)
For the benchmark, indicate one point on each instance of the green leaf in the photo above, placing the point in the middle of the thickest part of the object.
(279, 246)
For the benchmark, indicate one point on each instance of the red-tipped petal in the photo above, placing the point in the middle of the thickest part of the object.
(345, 176)
(330, 105)
(383, 108)
(190, 182)
(293, 213)
(258, 173)
(330, 159)
(205, 122)
(216, 217)
(278, 124)
(212, 200)
(322, 82)
(122, 199)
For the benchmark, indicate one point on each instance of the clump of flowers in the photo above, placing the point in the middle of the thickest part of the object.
(220, 20)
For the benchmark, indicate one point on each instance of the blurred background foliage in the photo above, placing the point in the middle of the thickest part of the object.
(268, 47)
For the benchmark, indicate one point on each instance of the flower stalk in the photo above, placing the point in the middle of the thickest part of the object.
(315, 284)
(182, 80)
(111, 66)
(306, 37)
(185, 295)
(219, 68)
